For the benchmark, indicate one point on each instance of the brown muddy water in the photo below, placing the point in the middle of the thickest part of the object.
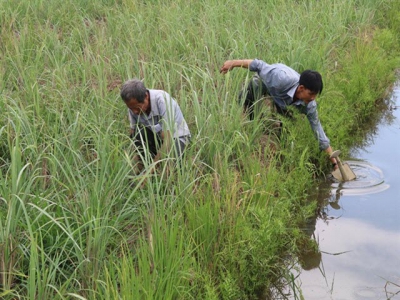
(357, 229)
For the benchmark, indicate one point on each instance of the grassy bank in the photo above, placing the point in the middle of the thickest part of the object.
(72, 224)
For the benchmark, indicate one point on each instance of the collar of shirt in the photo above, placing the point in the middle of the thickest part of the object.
(291, 93)
(153, 104)
(297, 102)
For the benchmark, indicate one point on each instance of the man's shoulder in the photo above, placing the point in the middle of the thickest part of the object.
(285, 68)
(154, 92)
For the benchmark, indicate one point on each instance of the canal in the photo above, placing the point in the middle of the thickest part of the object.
(357, 228)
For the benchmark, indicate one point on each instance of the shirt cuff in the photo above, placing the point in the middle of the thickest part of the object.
(157, 128)
(253, 67)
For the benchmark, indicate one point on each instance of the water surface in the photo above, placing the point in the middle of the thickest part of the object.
(358, 227)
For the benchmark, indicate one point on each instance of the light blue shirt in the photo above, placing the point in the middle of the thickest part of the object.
(281, 82)
(165, 115)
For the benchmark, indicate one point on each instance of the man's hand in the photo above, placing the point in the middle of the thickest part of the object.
(228, 65)
(333, 160)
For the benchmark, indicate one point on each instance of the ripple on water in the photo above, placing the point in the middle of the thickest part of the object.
(369, 180)
(363, 293)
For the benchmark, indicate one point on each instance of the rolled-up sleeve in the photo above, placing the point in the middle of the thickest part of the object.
(157, 128)
(256, 65)
(312, 116)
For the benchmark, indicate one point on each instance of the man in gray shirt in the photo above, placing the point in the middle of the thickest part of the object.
(286, 87)
(156, 120)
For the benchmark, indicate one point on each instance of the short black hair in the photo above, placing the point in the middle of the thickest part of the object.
(311, 80)
(133, 89)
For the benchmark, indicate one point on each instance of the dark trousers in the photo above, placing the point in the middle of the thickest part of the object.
(146, 141)
(254, 90)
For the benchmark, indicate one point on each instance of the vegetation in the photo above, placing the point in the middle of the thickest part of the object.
(74, 221)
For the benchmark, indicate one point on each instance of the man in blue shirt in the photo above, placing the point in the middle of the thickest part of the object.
(287, 88)
(156, 121)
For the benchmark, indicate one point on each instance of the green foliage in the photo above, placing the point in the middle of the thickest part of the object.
(76, 223)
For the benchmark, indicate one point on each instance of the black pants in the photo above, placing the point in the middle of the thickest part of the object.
(146, 141)
(253, 91)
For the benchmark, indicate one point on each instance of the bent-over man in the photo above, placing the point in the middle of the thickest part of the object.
(156, 121)
(287, 88)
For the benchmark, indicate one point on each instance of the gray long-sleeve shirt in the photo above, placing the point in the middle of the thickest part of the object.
(165, 115)
(281, 82)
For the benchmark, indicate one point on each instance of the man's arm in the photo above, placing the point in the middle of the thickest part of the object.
(333, 160)
(164, 149)
(322, 140)
(230, 64)
(165, 146)
(324, 144)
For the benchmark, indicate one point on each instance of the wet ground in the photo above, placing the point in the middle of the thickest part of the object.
(358, 227)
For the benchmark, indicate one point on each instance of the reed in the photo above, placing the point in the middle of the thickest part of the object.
(74, 221)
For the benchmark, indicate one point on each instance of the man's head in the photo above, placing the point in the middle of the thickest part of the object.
(310, 85)
(135, 96)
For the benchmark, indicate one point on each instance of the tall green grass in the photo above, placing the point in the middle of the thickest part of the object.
(74, 221)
